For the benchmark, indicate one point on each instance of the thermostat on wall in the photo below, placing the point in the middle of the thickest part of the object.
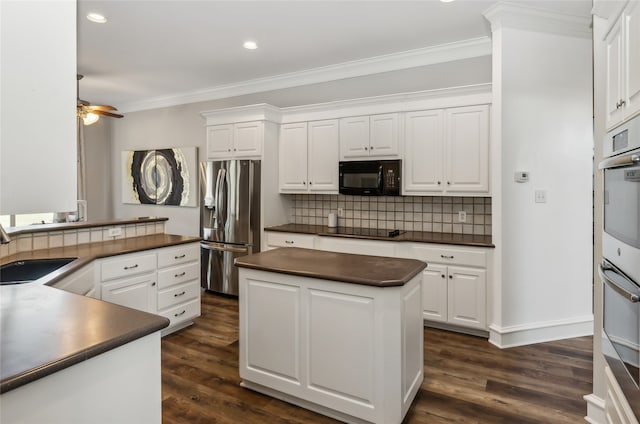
(521, 177)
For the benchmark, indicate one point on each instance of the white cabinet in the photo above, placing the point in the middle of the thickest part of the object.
(454, 285)
(81, 282)
(364, 137)
(179, 285)
(240, 140)
(163, 281)
(278, 239)
(447, 151)
(309, 155)
(617, 409)
(623, 67)
(38, 66)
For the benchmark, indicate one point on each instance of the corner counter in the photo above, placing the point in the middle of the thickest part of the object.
(336, 333)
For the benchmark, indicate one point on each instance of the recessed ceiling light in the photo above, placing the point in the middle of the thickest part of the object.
(251, 45)
(446, 1)
(97, 18)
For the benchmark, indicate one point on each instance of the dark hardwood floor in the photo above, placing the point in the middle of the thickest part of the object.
(467, 380)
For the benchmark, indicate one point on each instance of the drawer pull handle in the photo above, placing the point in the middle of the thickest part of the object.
(180, 256)
(180, 275)
(126, 268)
(184, 311)
(289, 241)
(446, 256)
(180, 294)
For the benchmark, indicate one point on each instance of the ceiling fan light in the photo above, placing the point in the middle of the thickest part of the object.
(90, 118)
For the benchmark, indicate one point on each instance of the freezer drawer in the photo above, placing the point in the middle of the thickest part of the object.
(218, 272)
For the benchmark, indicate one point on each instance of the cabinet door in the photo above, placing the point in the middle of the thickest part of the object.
(293, 158)
(434, 293)
(354, 138)
(247, 139)
(383, 140)
(219, 141)
(467, 149)
(466, 297)
(136, 292)
(632, 56)
(422, 167)
(323, 156)
(614, 77)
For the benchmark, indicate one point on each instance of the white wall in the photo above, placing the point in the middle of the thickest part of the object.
(543, 108)
(183, 126)
(98, 158)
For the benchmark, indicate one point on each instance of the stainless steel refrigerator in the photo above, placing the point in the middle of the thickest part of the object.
(229, 220)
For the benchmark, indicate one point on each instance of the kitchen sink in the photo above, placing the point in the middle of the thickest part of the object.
(30, 269)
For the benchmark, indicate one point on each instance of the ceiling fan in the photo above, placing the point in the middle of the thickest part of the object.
(91, 113)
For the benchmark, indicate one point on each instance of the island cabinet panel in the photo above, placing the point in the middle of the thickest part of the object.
(350, 351)
(434, 292)
(273, 333)
(352, 329)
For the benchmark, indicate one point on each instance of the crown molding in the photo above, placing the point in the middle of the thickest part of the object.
(257, 112)
(465, 49)
(391, 103)
(506, 14)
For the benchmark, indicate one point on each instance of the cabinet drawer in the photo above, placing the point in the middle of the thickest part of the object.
(126, 265)
(178, 294)
(178, 274)
(178, 255)
(448, 255)
(183, 312)
(275, 239)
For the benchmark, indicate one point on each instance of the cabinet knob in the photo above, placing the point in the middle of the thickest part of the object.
(304, 183)
(310, 182)
(450, 277)
(442, 275)
(439, 183)
(229, 150)
(153, 284)
(365, 148)
(448, 183)
(371, 147)
(235, 150)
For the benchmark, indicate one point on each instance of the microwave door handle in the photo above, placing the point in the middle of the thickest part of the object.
(621, 291)
(380, 178)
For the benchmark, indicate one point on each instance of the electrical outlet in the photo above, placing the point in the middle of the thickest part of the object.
(115, 232)
(541, 196)
(462, 216)
(341, 212)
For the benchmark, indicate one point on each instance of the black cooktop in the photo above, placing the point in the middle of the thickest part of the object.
(368, 232)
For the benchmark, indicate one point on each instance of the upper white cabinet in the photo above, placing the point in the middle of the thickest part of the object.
(623, 67)
(364, 137)
(242, 140)
(38, 67)
(447, 151)
(309, 155)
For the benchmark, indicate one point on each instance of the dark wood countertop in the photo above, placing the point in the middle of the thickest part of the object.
(408, 236)
(344, 267)
(60, 226)
(45, 329)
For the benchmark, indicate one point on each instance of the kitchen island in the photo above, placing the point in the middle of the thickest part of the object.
(336, 333)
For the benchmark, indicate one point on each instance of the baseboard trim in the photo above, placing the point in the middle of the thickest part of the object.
(540, 332)
(595, 409)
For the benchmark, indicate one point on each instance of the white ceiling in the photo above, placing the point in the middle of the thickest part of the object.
(153, 49)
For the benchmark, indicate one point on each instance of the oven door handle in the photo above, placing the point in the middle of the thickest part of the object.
(619, 161)
(621, 291)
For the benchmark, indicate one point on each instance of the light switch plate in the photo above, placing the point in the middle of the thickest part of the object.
(541, 196)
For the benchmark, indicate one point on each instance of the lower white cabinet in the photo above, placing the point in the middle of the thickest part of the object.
(454, 285)
(163, 281)
(357, 246)
(616, 409)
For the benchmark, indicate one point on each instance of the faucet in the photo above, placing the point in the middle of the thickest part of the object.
(4, 237)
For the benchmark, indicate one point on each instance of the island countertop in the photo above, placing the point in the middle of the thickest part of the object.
(345, 267)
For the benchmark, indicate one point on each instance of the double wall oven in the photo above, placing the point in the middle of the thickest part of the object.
(620, 269)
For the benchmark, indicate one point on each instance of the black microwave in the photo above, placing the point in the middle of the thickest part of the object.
(370, 177)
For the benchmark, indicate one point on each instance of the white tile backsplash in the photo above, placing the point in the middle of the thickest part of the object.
(408, 213)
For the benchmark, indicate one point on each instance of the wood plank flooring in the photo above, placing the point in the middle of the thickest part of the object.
(467, 380)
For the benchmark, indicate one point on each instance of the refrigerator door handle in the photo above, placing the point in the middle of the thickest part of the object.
(208, 197)
(219, 182)
(225, 247)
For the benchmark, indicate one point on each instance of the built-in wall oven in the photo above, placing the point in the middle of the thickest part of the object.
(620, 269)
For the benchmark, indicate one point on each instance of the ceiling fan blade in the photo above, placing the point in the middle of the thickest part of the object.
(100, 107)
(105, 113)
(83, 102)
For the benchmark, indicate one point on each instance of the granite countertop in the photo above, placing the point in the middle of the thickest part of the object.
(45, 329)
(408, 236)
(344, 267)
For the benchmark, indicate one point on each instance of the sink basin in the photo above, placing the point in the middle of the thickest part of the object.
(29, 270)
